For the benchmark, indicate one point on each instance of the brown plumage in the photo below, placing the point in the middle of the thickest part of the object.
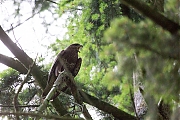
(72, 62)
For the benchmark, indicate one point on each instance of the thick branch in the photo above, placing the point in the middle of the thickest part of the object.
(106, 107)
(27, 61)
(154, 15)
(20, 54)
(11, 62)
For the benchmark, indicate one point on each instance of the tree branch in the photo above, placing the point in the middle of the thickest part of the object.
(11, 62)
(154, 15)
(12, 28)
(38, 115)
(18, 53)
(26, 61)
(19, 106)
(19, 90)
(106, 107)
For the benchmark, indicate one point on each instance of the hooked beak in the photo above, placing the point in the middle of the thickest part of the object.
(79, 48)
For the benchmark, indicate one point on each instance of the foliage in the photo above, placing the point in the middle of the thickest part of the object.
(112, 34)
(8, 78)
(148, 41)
(86, 25)
(10, 81)
(108, 60)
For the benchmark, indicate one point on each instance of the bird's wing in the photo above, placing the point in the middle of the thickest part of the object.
(56, 67)
(77, 67)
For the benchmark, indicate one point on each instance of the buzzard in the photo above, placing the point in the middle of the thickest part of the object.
(72, 62)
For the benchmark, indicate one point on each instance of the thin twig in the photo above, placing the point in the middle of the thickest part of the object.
(53, 2)
(19, 90)
(12, 28)
(38, 115)
(20, 106)
(15, 37)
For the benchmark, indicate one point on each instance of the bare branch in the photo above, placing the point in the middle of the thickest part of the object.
(106, 107)
(12, 28)
(38, 115)
(15, 37)
(11, 62)
(52, 2)
(19, 90)
(20, 106)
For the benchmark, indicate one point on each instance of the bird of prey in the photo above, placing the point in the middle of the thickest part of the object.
(71, 61)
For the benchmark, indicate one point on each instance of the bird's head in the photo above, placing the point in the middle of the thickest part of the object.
(76, 46)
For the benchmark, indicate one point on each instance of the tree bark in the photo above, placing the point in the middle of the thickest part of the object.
(11, 62)
(125, 10)
(106, 107)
